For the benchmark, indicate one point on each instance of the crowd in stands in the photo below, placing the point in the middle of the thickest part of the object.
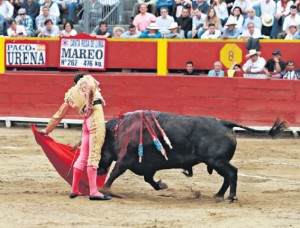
(193, 19)
(255, 67)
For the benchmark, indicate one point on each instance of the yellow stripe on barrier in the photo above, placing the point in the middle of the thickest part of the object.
(162, 57)
(2, 58)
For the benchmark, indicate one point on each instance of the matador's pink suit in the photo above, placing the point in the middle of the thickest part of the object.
(85, 96)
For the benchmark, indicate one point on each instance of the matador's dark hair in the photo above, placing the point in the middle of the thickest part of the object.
(78, 76)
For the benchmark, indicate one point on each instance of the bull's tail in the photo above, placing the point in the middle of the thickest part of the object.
(278, 127)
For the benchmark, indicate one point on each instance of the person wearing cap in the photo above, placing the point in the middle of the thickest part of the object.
(118, 31)
(274, 65)
(293, 32)
(26, 21)
(254, 65)
(230, 31)
(86, 98)
(143, 19)
(131, 33)
(175, 32)
(151, 32)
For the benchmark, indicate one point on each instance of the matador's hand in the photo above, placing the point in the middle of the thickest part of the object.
(43, 132)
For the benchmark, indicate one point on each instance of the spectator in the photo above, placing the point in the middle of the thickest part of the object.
(40, 20)
(294, 18)
(185, 21)
(178, 6)
(92, 12)
(198, 23)
(175, 32)
(237, 15)
(143, 19)
(252, 18)
(274, 65)
(149, 4)
(26, 21)
(212, 18)
(217, 71)
(282, 10)
(68, 29)
(32, 9)
(293, 32)
(266, 9)
(118, 31)
(243, 5)
(190, 68)
(211, 33)
(102, 31)
(69, 5)
(6, 14)
(220, 8)
(164, 21)
(235, 66)
(250, 32)
(166, 4)
(202, 5)
(17, 4)
(53, 8)
(267, 21)
(15, 30)
(131, 33)
(151, 32)
(230, 31)
(254, 65)
(49, 30)
(290, 72)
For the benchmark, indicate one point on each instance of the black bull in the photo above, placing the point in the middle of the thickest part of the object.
(194, 139)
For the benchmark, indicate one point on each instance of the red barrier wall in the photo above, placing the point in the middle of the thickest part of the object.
(249, 101)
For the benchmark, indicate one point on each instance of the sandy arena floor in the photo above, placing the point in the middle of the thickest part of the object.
(32, 194)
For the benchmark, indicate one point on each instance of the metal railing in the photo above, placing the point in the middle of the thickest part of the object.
(92, 14)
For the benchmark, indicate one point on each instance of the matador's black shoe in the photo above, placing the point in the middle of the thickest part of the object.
(100, 197)
(74, 195)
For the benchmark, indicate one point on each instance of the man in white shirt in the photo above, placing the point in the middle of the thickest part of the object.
(198, 22)
(6, 14)
(254, 66)
(211, 32)
(164, 21)
(15, 30)
(293, 17)
(250, 32)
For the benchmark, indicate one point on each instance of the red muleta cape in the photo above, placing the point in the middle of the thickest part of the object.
(62, 159)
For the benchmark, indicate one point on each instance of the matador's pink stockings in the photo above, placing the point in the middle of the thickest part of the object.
(92, 174)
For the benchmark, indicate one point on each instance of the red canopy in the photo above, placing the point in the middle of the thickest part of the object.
(62, 159)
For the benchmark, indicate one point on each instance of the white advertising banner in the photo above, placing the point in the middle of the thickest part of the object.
(82, 53)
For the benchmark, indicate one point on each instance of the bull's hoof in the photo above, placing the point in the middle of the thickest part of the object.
(162, 185)
(231, 199)
(218, 198)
